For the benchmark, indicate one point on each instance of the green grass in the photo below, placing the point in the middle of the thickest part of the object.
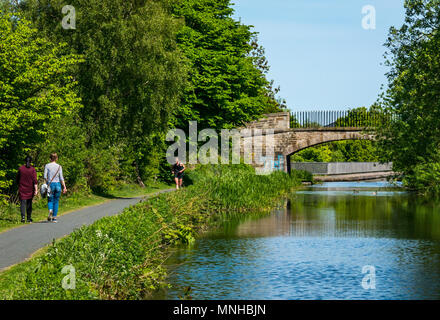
(121, 257)
(10, 216)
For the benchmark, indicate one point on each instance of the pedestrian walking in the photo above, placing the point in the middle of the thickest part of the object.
(27, 189)
(178, 171)
(53, 175)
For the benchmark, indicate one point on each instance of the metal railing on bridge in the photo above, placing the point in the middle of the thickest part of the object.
(357, 118)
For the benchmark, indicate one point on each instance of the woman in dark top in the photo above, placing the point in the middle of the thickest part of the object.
(27, 188)
(178, 169)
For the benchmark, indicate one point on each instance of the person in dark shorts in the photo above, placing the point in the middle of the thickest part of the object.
(27, 188)
(178, 171)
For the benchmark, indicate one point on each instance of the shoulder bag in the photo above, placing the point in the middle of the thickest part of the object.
(45, 189)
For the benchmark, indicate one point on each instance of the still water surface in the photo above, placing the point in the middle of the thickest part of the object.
(315, 245)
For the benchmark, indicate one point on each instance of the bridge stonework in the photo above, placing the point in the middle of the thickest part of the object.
(286, 141)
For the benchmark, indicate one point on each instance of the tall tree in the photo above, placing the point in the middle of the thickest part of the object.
(227, 67)
(133, 74)
(36, 88)
(413, 137)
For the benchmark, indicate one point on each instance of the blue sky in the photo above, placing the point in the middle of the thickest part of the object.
(318, 51)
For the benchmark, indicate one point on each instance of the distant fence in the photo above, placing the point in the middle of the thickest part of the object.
(346, 118)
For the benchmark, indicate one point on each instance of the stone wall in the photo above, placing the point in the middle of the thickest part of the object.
(274, 121)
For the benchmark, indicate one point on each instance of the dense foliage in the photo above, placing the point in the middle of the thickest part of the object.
(412, 140)
(130, 82)
(104, 94)
(121, 257)
(227, 67)
(37, 89)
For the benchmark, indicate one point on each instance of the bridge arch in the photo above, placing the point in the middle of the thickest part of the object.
(287, 141)
(293, 149)
(304, 139)
(314, 145)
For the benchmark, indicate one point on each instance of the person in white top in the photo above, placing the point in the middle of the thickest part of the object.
(53, 175)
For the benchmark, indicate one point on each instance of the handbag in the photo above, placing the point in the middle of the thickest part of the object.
(45, 189)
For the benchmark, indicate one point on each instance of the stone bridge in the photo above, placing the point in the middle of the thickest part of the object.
(286, 141)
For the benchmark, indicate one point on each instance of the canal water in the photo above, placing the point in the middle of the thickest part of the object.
(363, 240)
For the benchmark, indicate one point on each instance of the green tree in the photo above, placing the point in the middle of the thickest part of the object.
(368, 118)
(36, 89)
(132, 78)
(227, 67)
(313, 154)
(412, 139)
(68, 141)
(357, 150)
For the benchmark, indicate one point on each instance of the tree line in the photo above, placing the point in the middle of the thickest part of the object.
(412, 140)
(104, 94)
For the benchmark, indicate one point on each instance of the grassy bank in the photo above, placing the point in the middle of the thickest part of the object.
(10, 216)
(122, 257)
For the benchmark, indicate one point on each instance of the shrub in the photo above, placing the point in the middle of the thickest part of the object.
(425, 178)
(303, 175)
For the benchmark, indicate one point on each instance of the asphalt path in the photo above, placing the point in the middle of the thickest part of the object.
(17, 245)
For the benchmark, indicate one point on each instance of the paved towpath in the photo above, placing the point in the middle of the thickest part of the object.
(16, 245)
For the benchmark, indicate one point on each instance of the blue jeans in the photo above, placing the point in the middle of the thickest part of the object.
(54, 198)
